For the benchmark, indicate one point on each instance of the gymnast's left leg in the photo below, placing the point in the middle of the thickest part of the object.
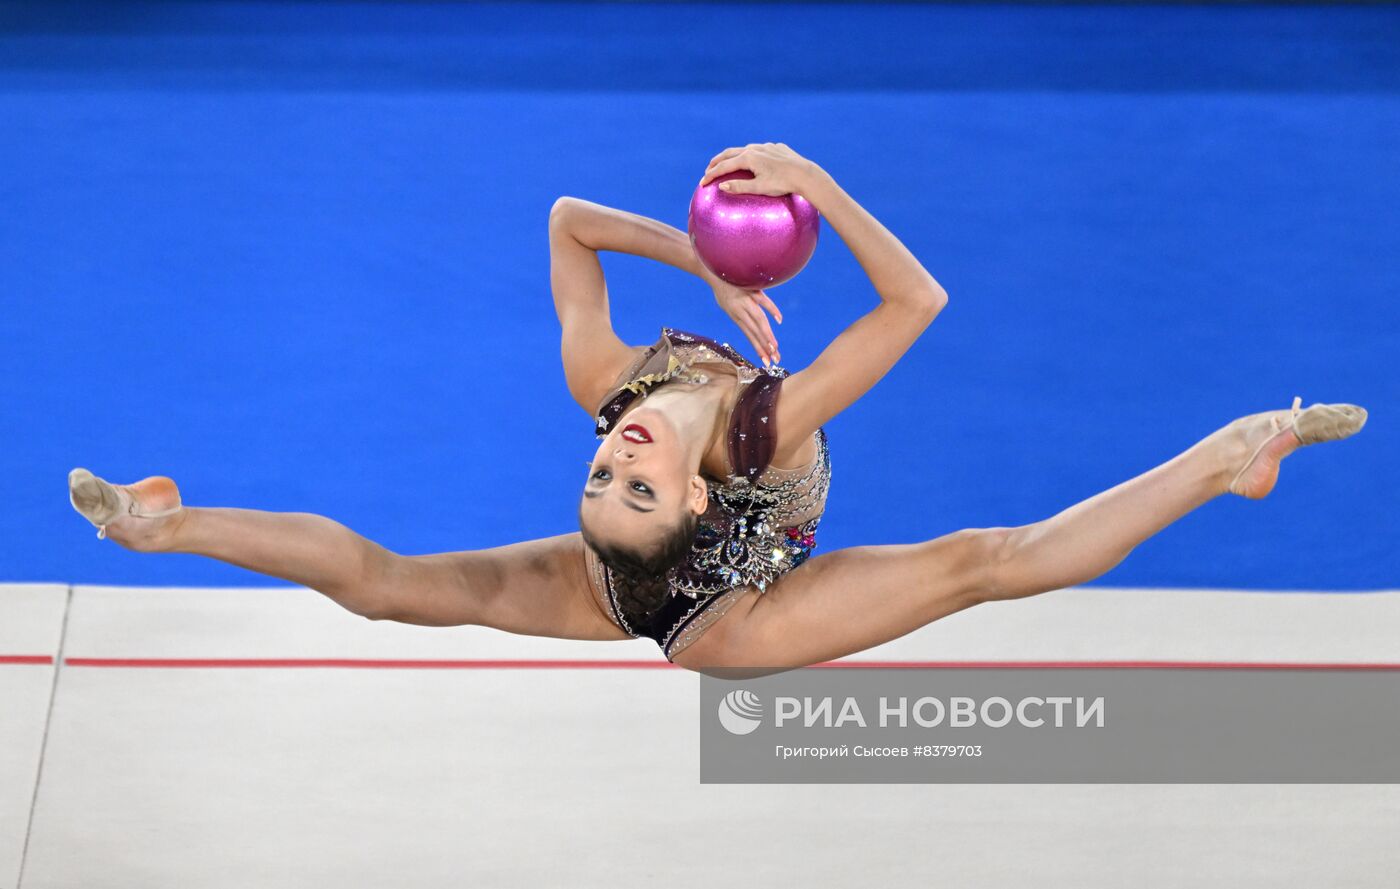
(847, 601)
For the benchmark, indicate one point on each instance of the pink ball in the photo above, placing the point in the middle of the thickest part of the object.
(752, 241)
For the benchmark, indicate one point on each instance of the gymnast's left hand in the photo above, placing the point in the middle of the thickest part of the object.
(746, 309)
(776, 169)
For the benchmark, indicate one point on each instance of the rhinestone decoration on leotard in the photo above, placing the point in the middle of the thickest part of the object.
(746, 536)
(761, 522)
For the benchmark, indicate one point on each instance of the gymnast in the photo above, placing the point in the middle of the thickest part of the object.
(698, 516)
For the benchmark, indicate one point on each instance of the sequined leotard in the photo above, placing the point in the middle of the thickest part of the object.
(761, 521)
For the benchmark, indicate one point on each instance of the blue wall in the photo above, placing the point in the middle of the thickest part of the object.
(295, 257)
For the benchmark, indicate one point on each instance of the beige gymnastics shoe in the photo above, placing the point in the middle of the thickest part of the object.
(1284, 434)
(102, 503)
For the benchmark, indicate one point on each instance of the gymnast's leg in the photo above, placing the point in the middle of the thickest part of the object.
(847, 601)
(538, 587)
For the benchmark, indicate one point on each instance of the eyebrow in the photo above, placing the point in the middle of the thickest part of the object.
(626, 502)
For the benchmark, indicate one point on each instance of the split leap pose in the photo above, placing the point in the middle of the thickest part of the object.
(699, 512)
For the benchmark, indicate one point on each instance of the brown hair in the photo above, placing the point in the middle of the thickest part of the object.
(637, 564)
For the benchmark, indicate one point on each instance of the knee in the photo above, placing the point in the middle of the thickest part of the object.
(377, 592)
(985, 560)
(372, 602)
(440, 590)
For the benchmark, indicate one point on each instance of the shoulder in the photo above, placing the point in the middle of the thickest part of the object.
(622, 366)
(793, 447)
(758, 439)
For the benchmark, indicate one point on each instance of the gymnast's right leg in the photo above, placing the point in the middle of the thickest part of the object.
(847, 601)
(538, 587)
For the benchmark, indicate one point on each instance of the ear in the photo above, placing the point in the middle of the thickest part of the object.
(698, 495)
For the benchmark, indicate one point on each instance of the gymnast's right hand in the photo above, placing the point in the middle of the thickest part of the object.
(746, 308)
(776, 169)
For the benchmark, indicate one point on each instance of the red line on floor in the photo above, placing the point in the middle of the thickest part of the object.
(510, 664)
(26, 659)
(366, 664)
(1103, 665)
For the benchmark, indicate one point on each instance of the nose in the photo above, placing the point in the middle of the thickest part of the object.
(624, 454)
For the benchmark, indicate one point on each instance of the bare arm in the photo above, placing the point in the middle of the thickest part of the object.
(592, 352)
(856, 360)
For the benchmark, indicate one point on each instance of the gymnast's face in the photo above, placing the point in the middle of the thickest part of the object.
(640, 481)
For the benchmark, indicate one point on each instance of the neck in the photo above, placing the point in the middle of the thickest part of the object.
(694, 411)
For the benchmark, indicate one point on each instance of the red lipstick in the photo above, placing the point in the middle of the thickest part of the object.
(636, 434)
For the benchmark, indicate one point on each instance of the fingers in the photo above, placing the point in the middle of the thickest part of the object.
(759, 147)
(750, 328)
(763, 300)
(723, 155)
(755, 327)
(768, 347)
(749, 315)
(731, 159)
(758, 185)
(732, 152)
(756, 341)
(728, 165)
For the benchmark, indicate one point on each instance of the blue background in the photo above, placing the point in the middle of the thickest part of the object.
(295, 257)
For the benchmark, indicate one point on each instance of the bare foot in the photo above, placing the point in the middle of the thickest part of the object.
(1258, 443)
(140, 517)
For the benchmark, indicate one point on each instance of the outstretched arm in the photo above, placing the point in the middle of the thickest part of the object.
(856, 360)
(593, 354)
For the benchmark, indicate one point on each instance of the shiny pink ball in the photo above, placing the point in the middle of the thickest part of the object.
(752, 241)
